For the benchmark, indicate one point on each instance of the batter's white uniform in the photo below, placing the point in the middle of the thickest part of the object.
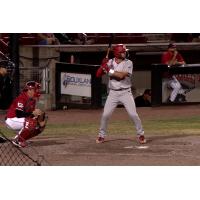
(120, 92)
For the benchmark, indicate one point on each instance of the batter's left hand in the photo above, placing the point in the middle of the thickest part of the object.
(105, 69)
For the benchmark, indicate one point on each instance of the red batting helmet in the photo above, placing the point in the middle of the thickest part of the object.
(33, 85)
(118, 49)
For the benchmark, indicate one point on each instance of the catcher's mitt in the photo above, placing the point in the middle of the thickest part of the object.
(42, 119)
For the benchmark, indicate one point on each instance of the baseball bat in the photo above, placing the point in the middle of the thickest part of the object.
(110, 44)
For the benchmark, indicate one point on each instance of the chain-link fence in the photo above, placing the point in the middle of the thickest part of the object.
(11, 155)
(38, 73)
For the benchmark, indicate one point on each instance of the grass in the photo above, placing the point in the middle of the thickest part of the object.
(186, 125)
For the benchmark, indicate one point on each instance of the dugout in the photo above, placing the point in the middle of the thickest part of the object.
(77, 86)
(189, 77)
(39, 63)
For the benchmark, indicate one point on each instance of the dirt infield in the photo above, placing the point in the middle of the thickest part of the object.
(120, 149)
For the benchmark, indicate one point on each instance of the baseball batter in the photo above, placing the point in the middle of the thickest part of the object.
(119, 69)
(23, 117)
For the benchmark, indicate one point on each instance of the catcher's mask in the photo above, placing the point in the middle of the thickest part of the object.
(119, 49)
(33, 85)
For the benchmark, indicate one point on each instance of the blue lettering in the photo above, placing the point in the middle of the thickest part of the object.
(77, 80)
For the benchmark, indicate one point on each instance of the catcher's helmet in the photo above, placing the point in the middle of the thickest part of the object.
(33, 85)
(118, 49)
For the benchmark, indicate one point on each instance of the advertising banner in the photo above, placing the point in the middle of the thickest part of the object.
(75, 84)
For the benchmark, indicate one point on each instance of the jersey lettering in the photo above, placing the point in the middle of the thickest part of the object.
(20, 105)
(26, 124)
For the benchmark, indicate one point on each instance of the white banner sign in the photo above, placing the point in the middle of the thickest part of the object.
(76, 84)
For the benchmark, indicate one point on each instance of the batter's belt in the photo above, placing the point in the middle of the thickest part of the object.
(120, 89)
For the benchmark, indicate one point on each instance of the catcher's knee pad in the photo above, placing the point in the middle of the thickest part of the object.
(29, 130)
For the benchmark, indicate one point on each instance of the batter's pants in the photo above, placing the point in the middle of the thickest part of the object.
(124, 97)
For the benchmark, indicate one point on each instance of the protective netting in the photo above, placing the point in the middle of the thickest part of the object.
(11, 155)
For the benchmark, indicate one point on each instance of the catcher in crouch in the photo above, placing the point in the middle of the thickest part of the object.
(23, 117)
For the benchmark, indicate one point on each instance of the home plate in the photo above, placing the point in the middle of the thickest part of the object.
(141, 147)
(128, 147)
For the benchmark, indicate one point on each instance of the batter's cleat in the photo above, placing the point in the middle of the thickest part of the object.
(141, 139)
(19, 144)
(100, 140)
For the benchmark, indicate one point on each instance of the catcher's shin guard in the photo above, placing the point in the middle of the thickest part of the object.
(30, 129)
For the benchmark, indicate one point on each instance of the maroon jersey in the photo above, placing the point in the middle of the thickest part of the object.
(23, 103)
(167, 56)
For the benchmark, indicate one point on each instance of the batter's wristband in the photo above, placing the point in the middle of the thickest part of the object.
(111, 72)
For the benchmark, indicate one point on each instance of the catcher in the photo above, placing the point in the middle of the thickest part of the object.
(23, 117)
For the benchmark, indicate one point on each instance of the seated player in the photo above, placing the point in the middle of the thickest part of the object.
(144, 100)
(172, 57)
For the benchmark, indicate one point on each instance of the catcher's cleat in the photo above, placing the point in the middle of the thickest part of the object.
(100, 140)
(19, 144)
(141, 139)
